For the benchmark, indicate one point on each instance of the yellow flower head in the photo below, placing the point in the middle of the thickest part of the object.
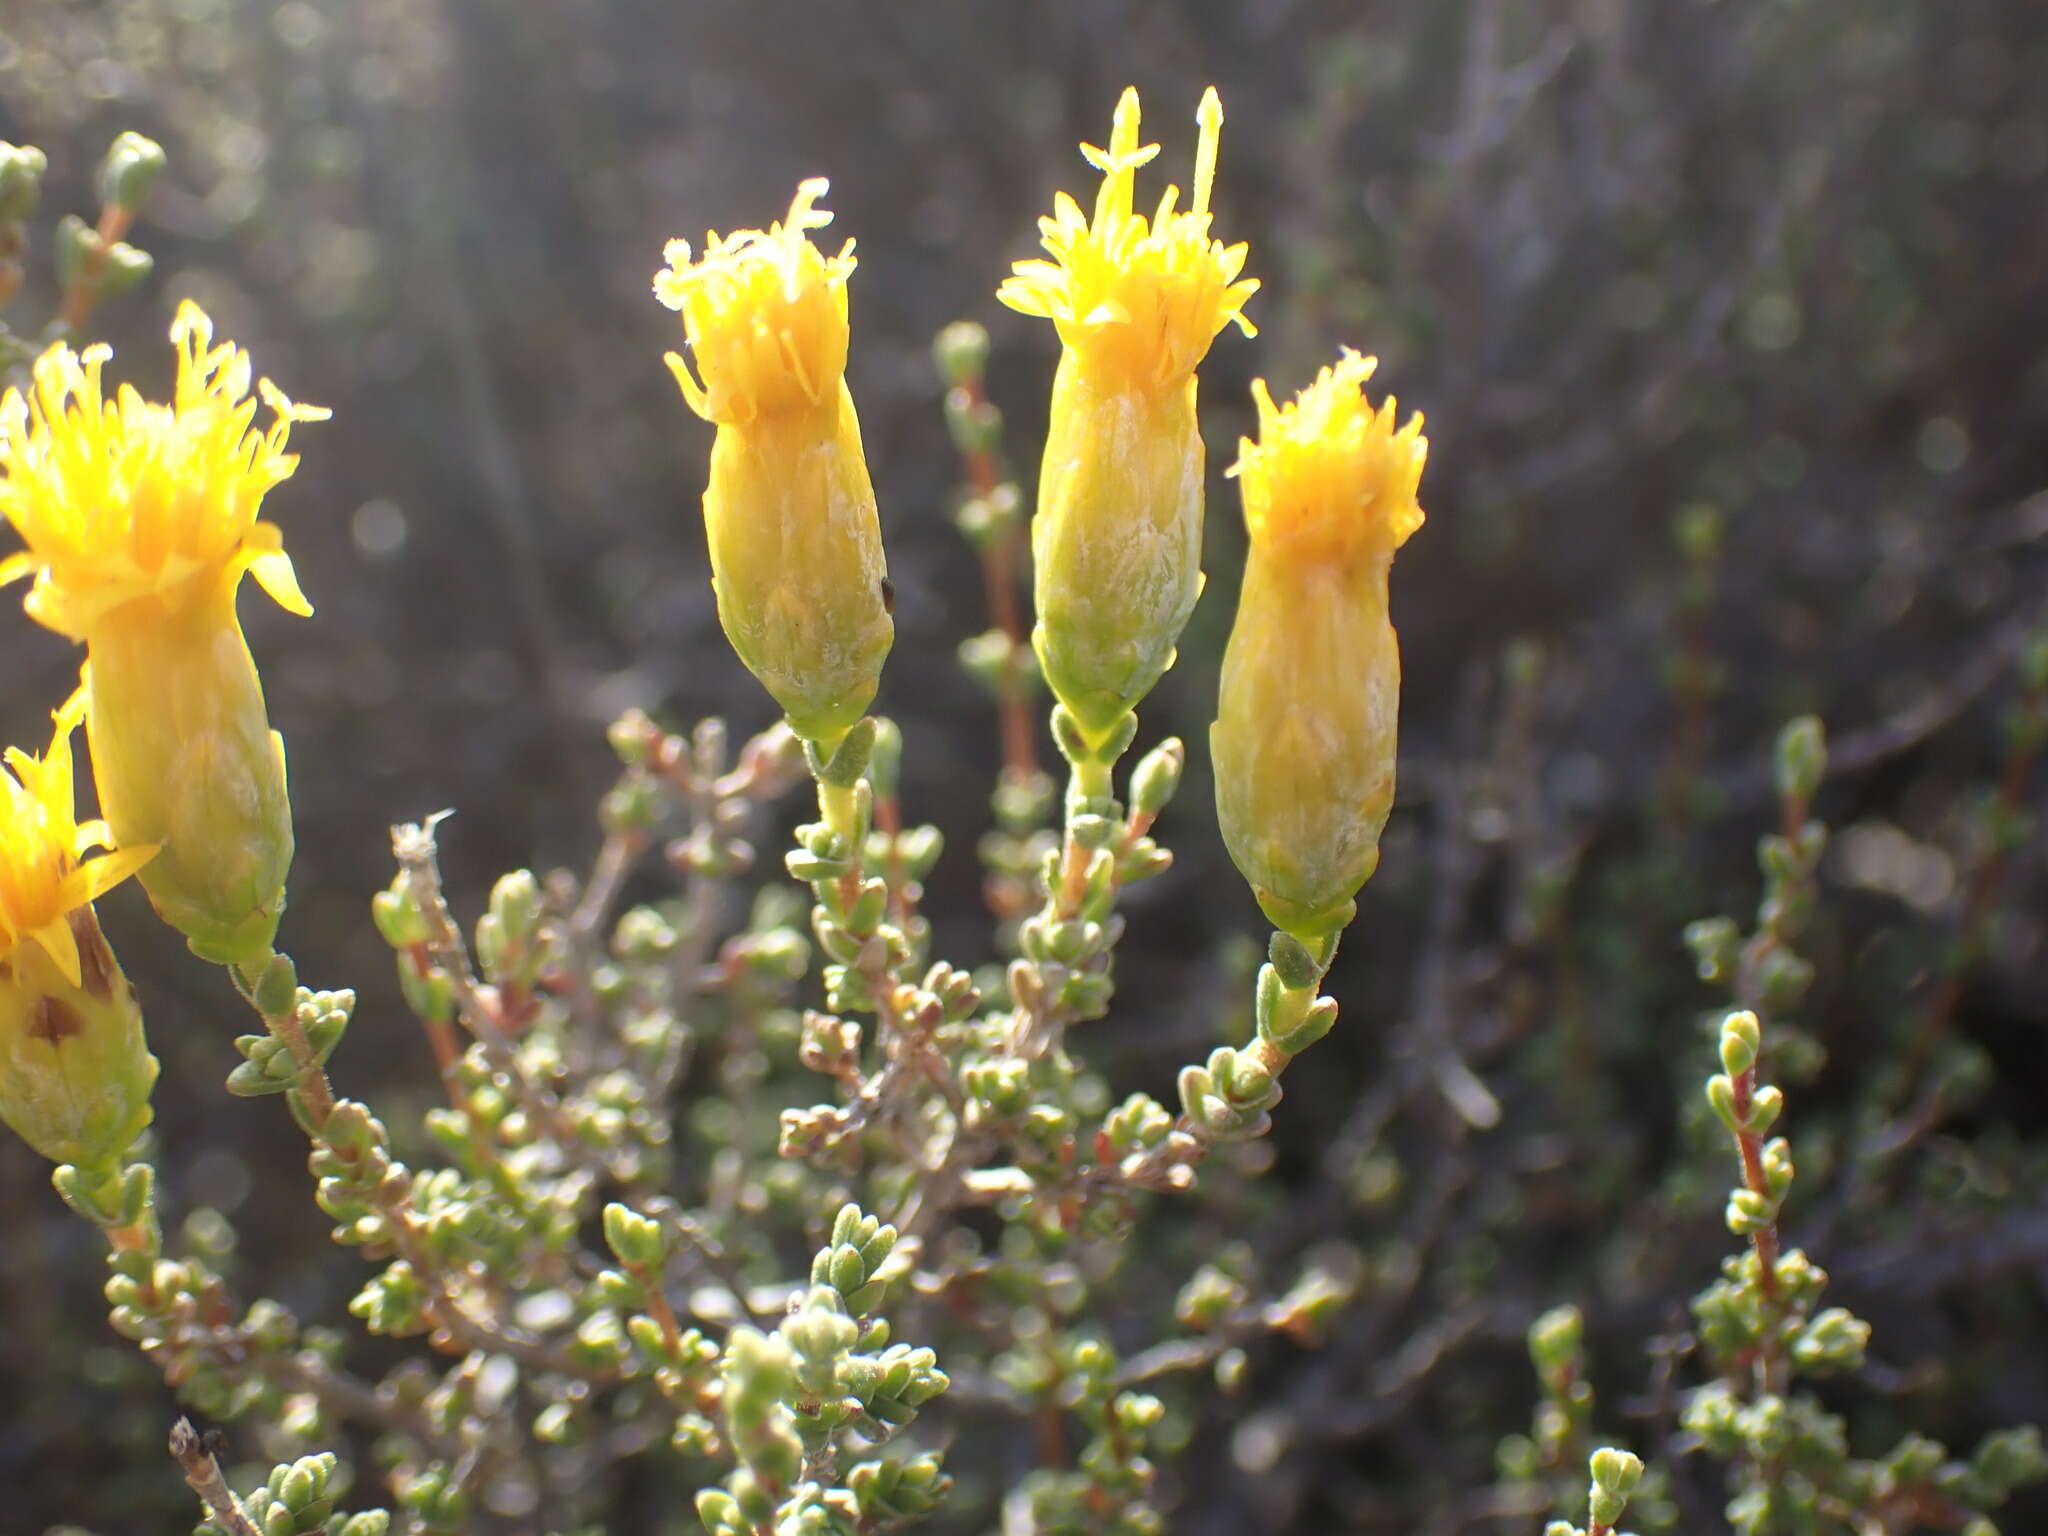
(43, 876)
(765, 312)
(1330, 478)
(125, 499)
(1140, 299)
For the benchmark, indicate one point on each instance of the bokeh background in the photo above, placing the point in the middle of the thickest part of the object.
(1786, 260)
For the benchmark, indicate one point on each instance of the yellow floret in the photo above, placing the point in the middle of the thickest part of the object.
(1138, 299)
(44, 875)
(125, 499)
(1329, 477)
(765, 314)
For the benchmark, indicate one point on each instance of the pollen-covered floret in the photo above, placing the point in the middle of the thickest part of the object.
(44, 874)
(1329, 476)
(124, 499)
(765, 314)
(1137, 298)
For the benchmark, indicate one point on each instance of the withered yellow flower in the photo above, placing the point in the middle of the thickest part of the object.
(140, 520)
(1305, 733)
(789, 510)
(75, 1074)
(1117, 542)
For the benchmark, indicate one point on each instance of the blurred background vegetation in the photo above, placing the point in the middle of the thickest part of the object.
(1730, 320)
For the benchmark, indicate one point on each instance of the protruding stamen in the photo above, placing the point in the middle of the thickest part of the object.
(1177, 286)
(803, 210)
(1113, 200)
(1209, 117)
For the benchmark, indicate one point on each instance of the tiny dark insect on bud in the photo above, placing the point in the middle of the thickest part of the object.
(888, 596)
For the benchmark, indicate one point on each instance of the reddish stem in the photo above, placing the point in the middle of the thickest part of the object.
(314, 1089)
(1073, 876)
(659, 1309)
(447, 1061)
(1750, 1145)
(75, 308)
(889, 820)
(998, 574)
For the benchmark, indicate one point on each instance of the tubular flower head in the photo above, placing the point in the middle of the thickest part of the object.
(1117, 543)
(1305, 733)
(140, 519)
(75, 1075)
(789, 511)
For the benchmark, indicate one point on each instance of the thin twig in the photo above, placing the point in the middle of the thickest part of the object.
(600, 893)
(203, 1477)
(413, 846)
(713, 1257)
(351, 1397)
(1853, 752)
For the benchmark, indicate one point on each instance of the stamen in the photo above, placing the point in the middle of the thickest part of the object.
(1209, 117)
(1113, 200)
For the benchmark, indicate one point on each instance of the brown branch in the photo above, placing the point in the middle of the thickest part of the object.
(615, 860)
(203, 1477)
(1854, 751)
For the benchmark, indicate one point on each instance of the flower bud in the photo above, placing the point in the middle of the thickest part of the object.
(131, 168)
(21, 181)
(795, 540)
(1117, 542)
(140, 520)
(1801, 759)
(75, 1074)
(1304, 739)
(961, 352)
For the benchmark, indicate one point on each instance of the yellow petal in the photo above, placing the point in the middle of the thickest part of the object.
(109, 870)
(693, 392)
(1141, 298)
(58, 943)
(120, 498)
(272, 568)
